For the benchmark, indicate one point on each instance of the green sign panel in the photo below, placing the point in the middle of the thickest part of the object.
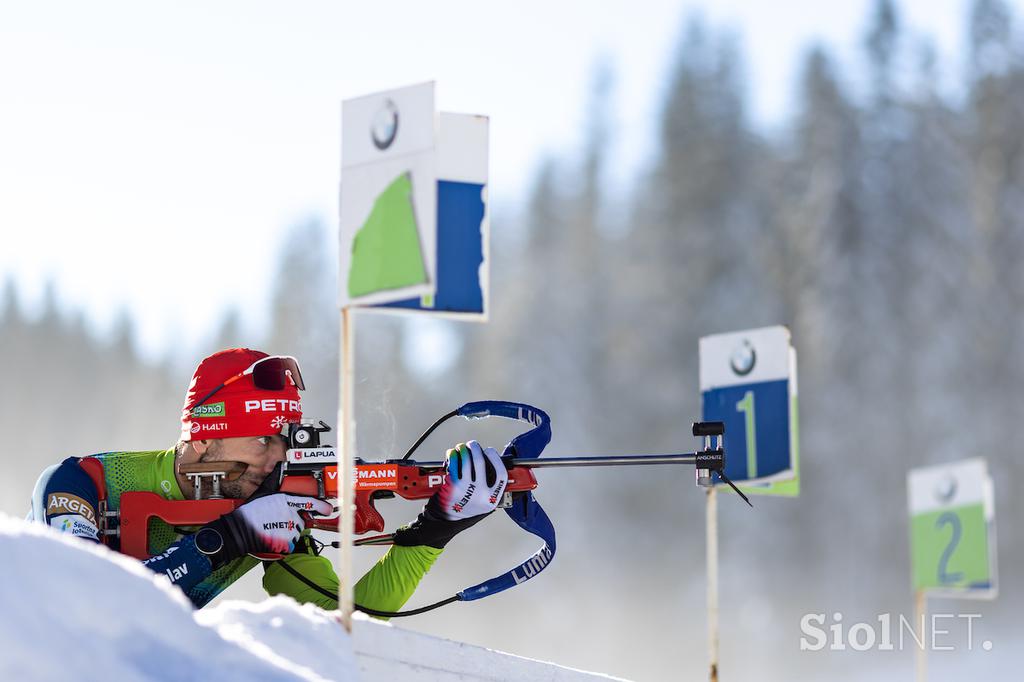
(952, 530)
(386, 250)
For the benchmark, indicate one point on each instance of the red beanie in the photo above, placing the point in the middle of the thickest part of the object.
(239, 409)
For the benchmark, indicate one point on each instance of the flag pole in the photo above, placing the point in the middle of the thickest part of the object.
(712, 570)
(920, 614)
(347, 425)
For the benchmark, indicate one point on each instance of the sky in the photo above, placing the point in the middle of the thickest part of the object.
(154, 155)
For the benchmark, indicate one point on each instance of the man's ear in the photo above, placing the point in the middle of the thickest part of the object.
(200, 446)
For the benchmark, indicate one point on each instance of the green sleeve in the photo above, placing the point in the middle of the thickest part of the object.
(393, 579)
(385, 587)
(316, 569)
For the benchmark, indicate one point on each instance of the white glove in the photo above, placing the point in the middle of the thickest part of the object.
(474, 483)
(267, 525)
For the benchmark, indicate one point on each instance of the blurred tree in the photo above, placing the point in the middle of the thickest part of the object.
(229, 333)
(882, 44)
(501, 354)
(815, 260)
(303, 314)
(990, 33)
(993, 332)
(696, 227)
(10, 310)
(77, 394)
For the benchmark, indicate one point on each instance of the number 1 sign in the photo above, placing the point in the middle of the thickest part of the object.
(952, 529)
(748, 381)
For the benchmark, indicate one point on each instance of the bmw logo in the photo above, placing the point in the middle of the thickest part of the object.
(384, 128)
(743, 359)
(945, 489)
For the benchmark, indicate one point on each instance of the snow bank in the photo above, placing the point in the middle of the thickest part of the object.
(73, 610)
(384, 652)
(314, 638)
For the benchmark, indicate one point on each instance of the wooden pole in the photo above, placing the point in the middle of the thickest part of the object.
(712, 560)
(347, 426)
(920, 614)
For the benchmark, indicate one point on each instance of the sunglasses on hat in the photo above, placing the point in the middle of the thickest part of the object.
(271, 373)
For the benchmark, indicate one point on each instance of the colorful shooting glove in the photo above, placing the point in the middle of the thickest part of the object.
(265, 525)
(473, 486)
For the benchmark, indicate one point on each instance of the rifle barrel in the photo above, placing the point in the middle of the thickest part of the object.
(606, 461)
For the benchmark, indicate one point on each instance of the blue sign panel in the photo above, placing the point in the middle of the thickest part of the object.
(460, 251)
(756, 420)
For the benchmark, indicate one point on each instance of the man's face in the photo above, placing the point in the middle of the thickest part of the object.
(259, 454)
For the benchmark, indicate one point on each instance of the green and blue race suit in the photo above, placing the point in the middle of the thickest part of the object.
(71, 502)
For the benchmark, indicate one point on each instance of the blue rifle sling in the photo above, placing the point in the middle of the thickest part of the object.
(525, 510)
(526, 445)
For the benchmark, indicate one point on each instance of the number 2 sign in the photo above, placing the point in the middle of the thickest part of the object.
(952, 529)
(748, 381)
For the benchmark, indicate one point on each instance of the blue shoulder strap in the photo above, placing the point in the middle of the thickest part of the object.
(525, 509)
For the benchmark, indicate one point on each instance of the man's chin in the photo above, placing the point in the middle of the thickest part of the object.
(239, 491)
(247, 488)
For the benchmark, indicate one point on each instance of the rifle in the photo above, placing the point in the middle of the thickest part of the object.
(311, 469)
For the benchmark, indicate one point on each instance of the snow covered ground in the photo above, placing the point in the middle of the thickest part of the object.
(75, 610)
